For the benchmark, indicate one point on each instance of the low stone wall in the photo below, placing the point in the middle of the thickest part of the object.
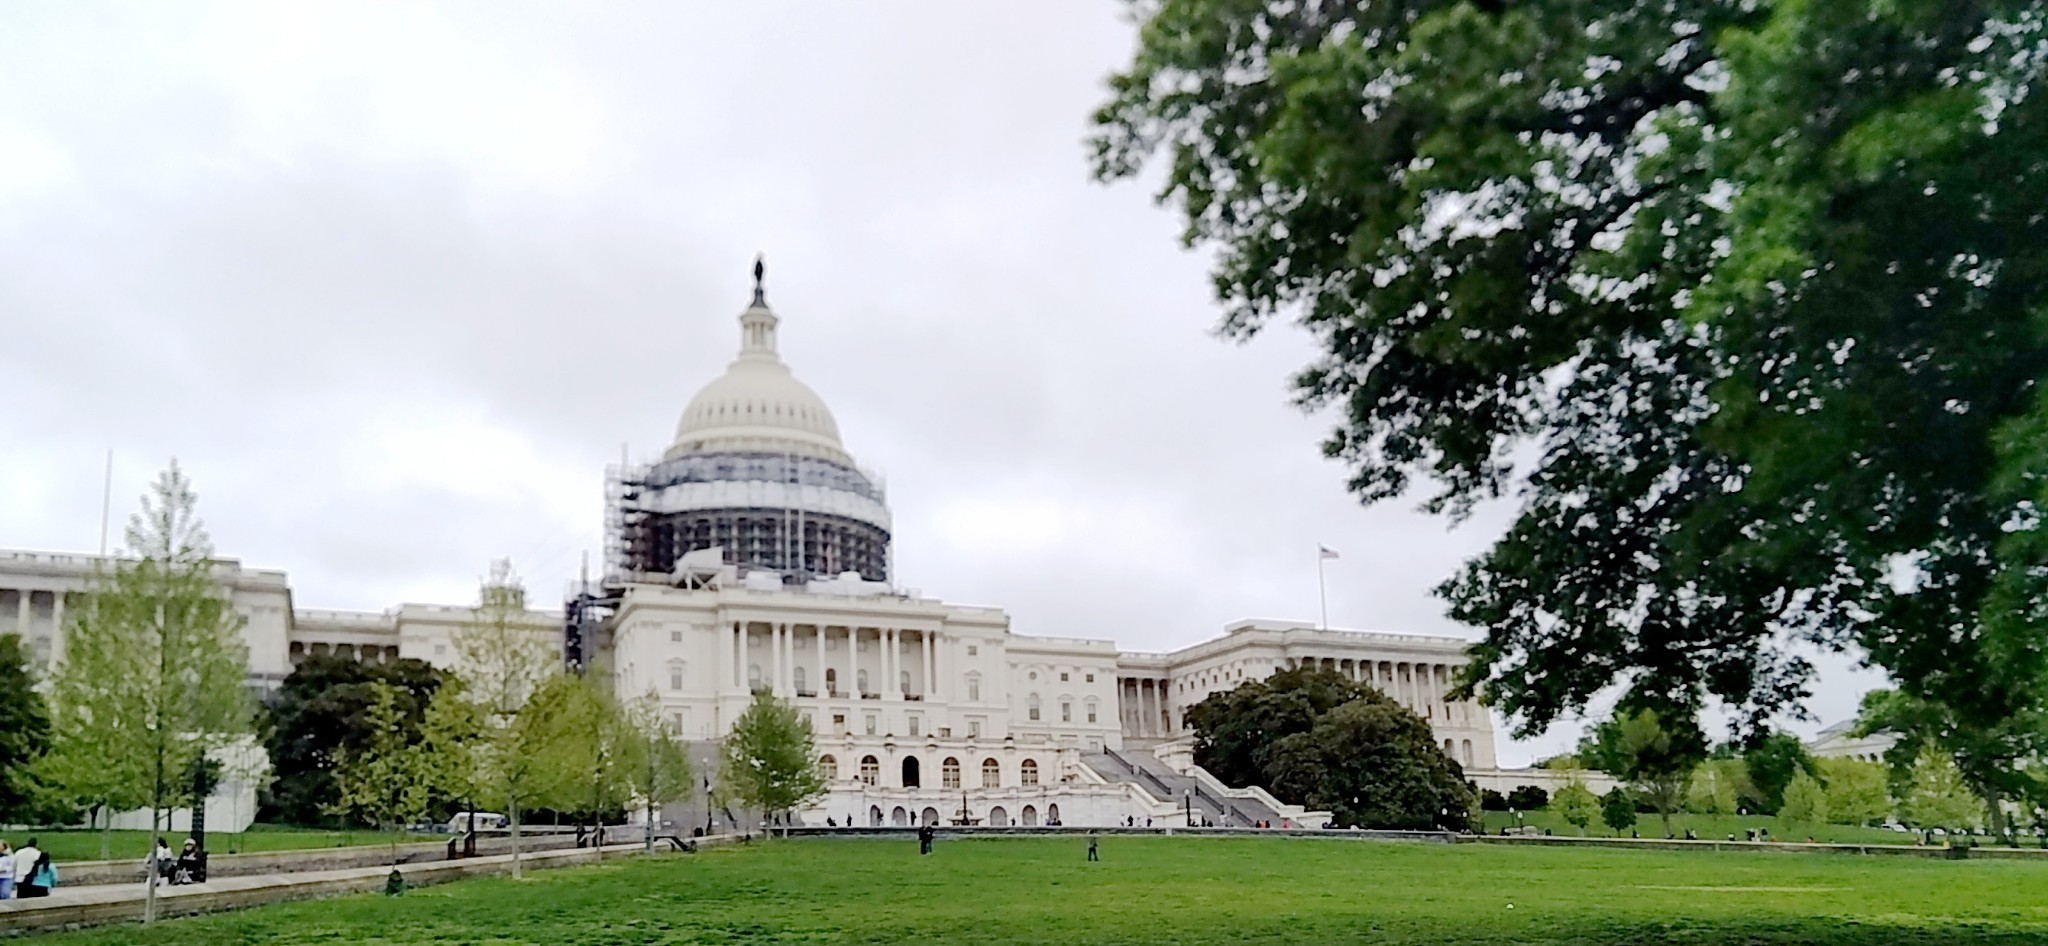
(94, 873)
(68, 907)
(1670, 844)
(982, 831)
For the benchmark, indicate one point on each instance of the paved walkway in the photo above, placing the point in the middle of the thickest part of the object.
(108, 903)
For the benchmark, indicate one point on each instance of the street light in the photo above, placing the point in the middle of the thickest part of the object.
(707, 797)
(1188, 795)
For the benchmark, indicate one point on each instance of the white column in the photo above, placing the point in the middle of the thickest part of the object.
(819, 687)
(21, 617)
(739, 662)
(724, 660)
(853, 660)
(789, 658)
(56, 629)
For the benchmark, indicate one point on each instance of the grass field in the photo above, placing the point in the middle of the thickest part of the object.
(1710, 827)
(67, 846)
(1175, 890)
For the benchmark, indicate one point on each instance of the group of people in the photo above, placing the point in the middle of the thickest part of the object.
(189, 867)
(27, 872)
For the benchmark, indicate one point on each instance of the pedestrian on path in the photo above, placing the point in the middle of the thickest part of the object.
(1091, 847)
(925, 835)
(6, 871)
(33, 872)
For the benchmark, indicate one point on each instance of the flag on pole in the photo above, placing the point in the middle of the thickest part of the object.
(1323, 553)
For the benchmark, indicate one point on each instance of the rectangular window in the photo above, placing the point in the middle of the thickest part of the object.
(1091, 678)
(1063, 676)
(945, 732)
(675, 678)
(1091, 712)
(839, 723)
(1066, 712)
(676, 722)
(972, 650)
(973, 690)
(871, 724)
(675, 636)
(913, 725)
(973, 728)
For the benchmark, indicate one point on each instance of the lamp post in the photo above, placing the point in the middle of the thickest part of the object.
(1188, 796)
(707, 797)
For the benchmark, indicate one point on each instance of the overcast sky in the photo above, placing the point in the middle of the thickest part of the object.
(395, 282)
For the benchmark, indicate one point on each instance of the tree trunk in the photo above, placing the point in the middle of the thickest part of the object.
(514, 811)
(106, 815)
(1995, 812)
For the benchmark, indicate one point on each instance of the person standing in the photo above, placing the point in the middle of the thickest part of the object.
(6, 871)
(1091, 846)
(925, 834)
(33, 875)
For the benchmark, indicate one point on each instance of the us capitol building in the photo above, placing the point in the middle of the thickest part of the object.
(756, 553)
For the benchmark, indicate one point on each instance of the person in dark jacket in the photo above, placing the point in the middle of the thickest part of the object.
(925, 836)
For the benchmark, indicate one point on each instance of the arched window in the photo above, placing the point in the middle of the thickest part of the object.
(675, 674)
(974, 688)
(798, 674)
(1450, 749)
(949, 773)
(1466, 746)
(832, 681)
(1028, 772)
(910, 779)
(1052, 814)
(931, 816)
(753, 676)
(829, 766)
(1029, 816)
(870, 769)
(991, 774)
(1031, 707)
(899, 817)
(998, 818)
(875, 815)
(860, 678)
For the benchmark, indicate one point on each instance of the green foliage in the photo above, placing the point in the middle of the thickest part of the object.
(587, 742)
(322, 711)
(1372, 763)
(770, 762)
(1937, 796)
(1806, 802)
(1618, 810)
(1771, 763)
(1715, 787)
(1490, 800)
(1655, 752)
(1576, 804)
(1528, 798)
(503, 659)
(24, 734)
(451, 732)
(1856, 791)
(1770, 323)
(1237, 730)
(1993, 756)
(388, 781)
(657, 766)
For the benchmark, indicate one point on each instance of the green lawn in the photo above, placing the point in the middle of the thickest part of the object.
(1712, 827)
(81, 845)
(1175, 890)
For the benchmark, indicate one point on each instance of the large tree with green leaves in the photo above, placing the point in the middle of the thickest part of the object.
(1740, 302)
(24, 734)
(1238, 730)
(154, 663)
(1655, 753)
(1992, 756)
(1371, 763)
(323, 710)
(588, 744)
(770, 762)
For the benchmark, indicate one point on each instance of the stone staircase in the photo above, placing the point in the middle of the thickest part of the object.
(1185, 792)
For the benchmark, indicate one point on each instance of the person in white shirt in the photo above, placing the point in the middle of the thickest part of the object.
(26, 860)
(6, 871)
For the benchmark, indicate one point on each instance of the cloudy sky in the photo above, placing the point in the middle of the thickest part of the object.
(395, 282)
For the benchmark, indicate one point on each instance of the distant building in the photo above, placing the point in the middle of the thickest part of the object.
(1839, 742)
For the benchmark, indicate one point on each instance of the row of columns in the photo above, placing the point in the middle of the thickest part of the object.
(24, 612)
(1422, 687)
(1143, 706)
(780, 670)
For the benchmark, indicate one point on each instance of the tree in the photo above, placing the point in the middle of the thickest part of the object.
(1806, 802)
(657, 765)
(1715, 787)
(1856, 792)
(1618, 810)
(1237, 730)
(388, 782)
(1937, 796)
(1771, 763)
(1991, 756)
(154, 662)
(1490, 800)
(1764, 330)
(452, 735)
(1656, 757)
(1528, 798)
(503, 659)
(770, 763)
(589, 744)
(24, 734)
(323, 710)
(96, 759)
(1576, 803)
(1373, 764)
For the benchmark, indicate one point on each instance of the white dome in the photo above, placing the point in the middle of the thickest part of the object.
(757, 405)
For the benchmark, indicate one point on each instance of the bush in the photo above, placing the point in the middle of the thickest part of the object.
(1618, 810)
(1528, 798)
(1490, 800)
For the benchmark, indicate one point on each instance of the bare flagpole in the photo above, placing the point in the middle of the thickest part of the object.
(1322, 587)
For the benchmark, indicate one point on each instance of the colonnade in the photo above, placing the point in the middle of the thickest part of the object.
(44, 642)
(913, 675)
(1143, 707)
(1422, 687)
